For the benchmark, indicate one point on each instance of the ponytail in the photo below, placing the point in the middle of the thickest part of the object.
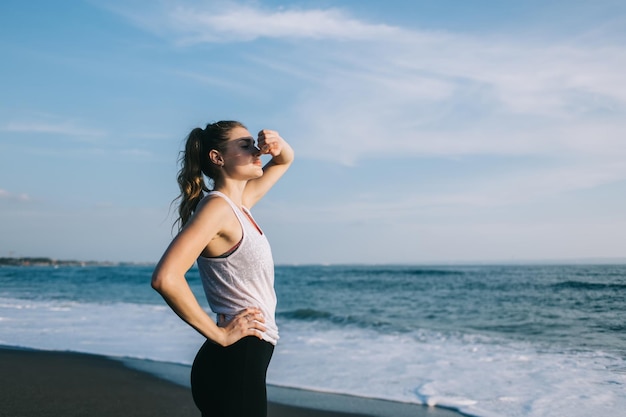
(195, 165)
(190, 178)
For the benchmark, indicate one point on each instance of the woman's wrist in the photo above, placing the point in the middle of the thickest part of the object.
(220, 337)
(285, 156)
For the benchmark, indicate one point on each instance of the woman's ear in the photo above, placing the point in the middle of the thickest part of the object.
(216, 157)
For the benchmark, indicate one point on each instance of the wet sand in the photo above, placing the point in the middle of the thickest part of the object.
(43, 383)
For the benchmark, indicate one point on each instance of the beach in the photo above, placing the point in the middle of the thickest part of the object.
(45, 383)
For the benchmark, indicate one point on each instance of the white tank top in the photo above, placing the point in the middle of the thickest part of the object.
(245, 277)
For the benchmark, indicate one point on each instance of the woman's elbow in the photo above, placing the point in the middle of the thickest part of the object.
(158, 282)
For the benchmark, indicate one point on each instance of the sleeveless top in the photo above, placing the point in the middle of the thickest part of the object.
(245, 277)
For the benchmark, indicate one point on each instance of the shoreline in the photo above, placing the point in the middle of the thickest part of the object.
(39, 383)
(326, 401)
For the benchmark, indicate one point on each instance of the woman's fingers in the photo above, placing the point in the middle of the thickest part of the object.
(253, 313)
(269, 142)
(249, 322)
(252, 321)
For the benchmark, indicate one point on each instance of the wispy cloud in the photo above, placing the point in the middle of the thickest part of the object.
(467, 96)
(466, 198)
(8, 196)
(244, 23)
(91, 141)
(446, 91)
(230, 21)
(61, 128)
(369, 88)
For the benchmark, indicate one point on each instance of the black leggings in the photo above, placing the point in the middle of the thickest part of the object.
(230, 381)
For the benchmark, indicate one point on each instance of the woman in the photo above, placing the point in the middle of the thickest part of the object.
(235, 264)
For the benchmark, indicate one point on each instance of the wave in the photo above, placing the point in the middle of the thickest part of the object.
(402, 271)
(583, 285)
(305, 314)
(310, 315)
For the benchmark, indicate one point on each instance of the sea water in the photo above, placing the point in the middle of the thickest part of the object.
(525, 340)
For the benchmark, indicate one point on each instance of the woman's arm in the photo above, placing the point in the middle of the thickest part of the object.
(271, 143)
(169, 280)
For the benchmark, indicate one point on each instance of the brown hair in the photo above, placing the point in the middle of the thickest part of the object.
(195, 164)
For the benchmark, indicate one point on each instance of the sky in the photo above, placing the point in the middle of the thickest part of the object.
(424, 131)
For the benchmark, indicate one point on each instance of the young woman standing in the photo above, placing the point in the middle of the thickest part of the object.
(234, 261)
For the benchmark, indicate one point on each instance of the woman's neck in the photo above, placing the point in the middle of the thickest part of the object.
(233, 189)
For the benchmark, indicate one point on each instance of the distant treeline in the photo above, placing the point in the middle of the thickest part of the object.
(47, 262)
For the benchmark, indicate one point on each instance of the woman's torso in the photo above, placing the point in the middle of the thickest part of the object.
(243, 278)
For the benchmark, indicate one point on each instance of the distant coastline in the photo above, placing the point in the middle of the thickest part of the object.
(45, 261)
(42, 261)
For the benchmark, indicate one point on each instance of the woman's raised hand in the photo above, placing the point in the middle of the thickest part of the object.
(270, 142)
(247, 323)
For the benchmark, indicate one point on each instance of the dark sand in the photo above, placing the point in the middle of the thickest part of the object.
(41, 383)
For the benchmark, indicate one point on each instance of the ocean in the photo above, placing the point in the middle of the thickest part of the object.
(487, 340)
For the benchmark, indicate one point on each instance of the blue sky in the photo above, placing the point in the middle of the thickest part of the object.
(425, 131)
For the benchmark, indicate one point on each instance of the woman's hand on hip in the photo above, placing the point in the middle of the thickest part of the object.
(247, 323)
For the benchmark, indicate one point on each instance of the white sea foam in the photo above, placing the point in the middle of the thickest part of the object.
(478, 376)
(137, 330)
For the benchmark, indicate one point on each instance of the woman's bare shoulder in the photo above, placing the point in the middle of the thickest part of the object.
(213, 206)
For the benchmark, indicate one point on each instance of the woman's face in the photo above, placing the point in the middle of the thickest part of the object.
(241, 156)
